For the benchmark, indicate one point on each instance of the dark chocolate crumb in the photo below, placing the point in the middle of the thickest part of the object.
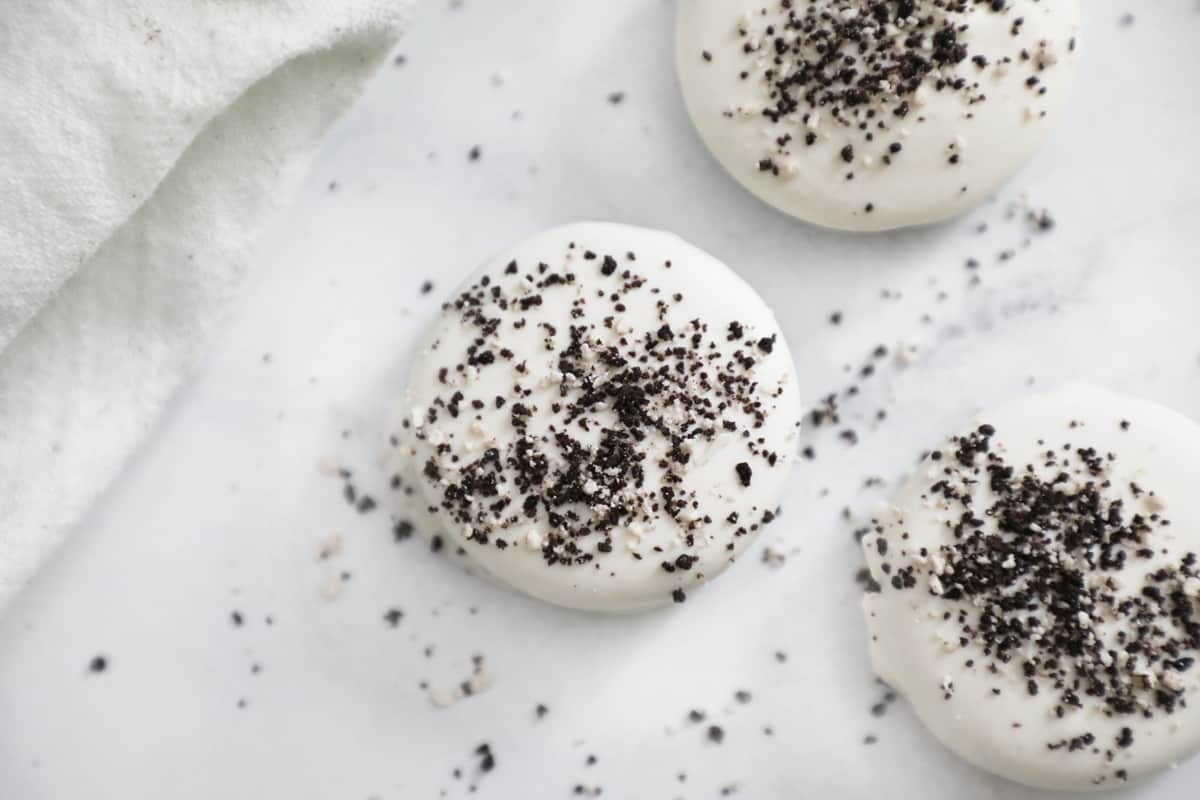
(744, 473)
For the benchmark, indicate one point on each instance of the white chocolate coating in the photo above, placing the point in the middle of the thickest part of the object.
(958, 145)
(995, 720)
(625, 429)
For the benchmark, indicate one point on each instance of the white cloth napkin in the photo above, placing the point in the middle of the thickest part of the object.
(142, 144)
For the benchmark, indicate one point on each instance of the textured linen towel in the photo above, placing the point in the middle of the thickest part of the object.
(142, 144)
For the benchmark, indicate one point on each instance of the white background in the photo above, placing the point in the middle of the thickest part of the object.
(225, 507)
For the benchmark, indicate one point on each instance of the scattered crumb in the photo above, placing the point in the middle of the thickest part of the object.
(906, 354)
(331, 588)
(479, 681)
(773, 557)
(329, 547)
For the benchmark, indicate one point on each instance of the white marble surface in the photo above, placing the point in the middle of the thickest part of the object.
(225, 508)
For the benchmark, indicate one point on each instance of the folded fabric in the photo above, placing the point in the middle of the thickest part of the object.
(142, 145)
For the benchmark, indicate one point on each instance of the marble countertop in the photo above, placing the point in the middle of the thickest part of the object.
(574, 109)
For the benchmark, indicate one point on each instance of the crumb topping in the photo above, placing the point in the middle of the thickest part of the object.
(600, 420)
(1052, 574)
(869, 66)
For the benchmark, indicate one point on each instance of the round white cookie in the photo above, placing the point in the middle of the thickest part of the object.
(603, 417)
(1039, 590)
(875, 115)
